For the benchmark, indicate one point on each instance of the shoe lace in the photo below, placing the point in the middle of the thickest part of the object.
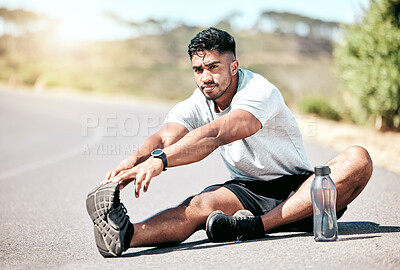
(123, 208)
(117, 202)
(247, 229)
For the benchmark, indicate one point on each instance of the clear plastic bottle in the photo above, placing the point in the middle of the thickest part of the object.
(323, 196)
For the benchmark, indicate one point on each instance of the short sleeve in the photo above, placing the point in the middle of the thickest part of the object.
(260, 98)
(188, 113)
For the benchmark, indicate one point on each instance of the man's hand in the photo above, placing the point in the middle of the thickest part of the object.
(141, 174)
(126, 164)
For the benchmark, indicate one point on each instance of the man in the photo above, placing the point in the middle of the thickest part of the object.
(243, 115)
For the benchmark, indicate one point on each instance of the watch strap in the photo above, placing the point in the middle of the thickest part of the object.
(163, 157)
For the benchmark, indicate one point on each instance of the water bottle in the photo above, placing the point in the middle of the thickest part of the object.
(323, 196)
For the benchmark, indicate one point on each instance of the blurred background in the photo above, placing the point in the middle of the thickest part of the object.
(84, 82)
(338, 59)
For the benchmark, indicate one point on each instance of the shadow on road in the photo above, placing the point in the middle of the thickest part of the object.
(354, 228)
(364, 227)
(204, 244)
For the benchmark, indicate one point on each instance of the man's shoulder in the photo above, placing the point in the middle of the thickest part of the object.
(252, 83)
(250, 78)
(196, 100)
(198, 95)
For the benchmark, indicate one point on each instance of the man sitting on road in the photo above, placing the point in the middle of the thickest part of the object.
(245, 117)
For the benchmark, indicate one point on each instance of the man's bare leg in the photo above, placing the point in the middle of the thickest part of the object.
(351, 171)
(174, 225)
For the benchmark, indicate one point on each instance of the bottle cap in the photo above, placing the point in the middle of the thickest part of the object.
(322, 170)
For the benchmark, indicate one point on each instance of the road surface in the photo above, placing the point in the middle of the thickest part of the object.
(54, 149)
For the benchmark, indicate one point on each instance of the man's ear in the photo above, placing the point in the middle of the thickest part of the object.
(234, 67)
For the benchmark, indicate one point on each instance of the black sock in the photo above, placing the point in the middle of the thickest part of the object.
(128, 236)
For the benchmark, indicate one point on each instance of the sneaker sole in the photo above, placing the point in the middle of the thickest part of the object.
(98, 204)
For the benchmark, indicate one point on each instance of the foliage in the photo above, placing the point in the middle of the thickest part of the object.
(154, 62)
(286, 22)
(368, 64)
(320, 105)
(18, 21)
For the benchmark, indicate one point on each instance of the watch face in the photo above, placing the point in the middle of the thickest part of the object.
(157, 152)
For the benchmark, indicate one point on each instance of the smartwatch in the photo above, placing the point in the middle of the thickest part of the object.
(159, 153)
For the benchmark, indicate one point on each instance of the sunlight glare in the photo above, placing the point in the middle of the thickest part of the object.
(73, 29)
(79, 22)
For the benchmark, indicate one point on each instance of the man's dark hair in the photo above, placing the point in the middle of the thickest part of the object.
(212, 39)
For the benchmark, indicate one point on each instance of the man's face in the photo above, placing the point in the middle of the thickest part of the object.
(213, 72)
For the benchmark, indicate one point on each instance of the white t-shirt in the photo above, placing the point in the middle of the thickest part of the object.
(273, 151)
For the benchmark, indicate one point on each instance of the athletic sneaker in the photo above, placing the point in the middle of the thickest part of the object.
(112, 228)
(243, 225)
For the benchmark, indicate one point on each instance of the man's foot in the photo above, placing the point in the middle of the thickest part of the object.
(243, 225)
(112, 228)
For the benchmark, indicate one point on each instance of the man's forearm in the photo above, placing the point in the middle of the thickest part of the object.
(195, 146)
(166, 136)
(143, 152)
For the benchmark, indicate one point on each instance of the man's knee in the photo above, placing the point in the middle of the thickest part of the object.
(360, 156)
(201, 204)
(215, 198)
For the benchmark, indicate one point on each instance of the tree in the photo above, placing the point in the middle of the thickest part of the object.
(289, 23)
(18, 21)
(368, 64)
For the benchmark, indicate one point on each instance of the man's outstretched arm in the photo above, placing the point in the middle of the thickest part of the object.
(193, 147)
(168, 134)
(199, 143)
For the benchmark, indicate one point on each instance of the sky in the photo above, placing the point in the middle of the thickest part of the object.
(84, 20)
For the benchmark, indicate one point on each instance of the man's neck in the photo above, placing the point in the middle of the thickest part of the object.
(225, 100)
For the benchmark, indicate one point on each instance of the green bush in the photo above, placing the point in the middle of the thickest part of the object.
(29, 74)
(367, 62)
(319, 105)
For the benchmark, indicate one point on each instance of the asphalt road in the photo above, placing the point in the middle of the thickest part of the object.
(54, 149)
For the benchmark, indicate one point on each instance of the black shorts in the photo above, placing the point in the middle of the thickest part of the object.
(260, 197)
